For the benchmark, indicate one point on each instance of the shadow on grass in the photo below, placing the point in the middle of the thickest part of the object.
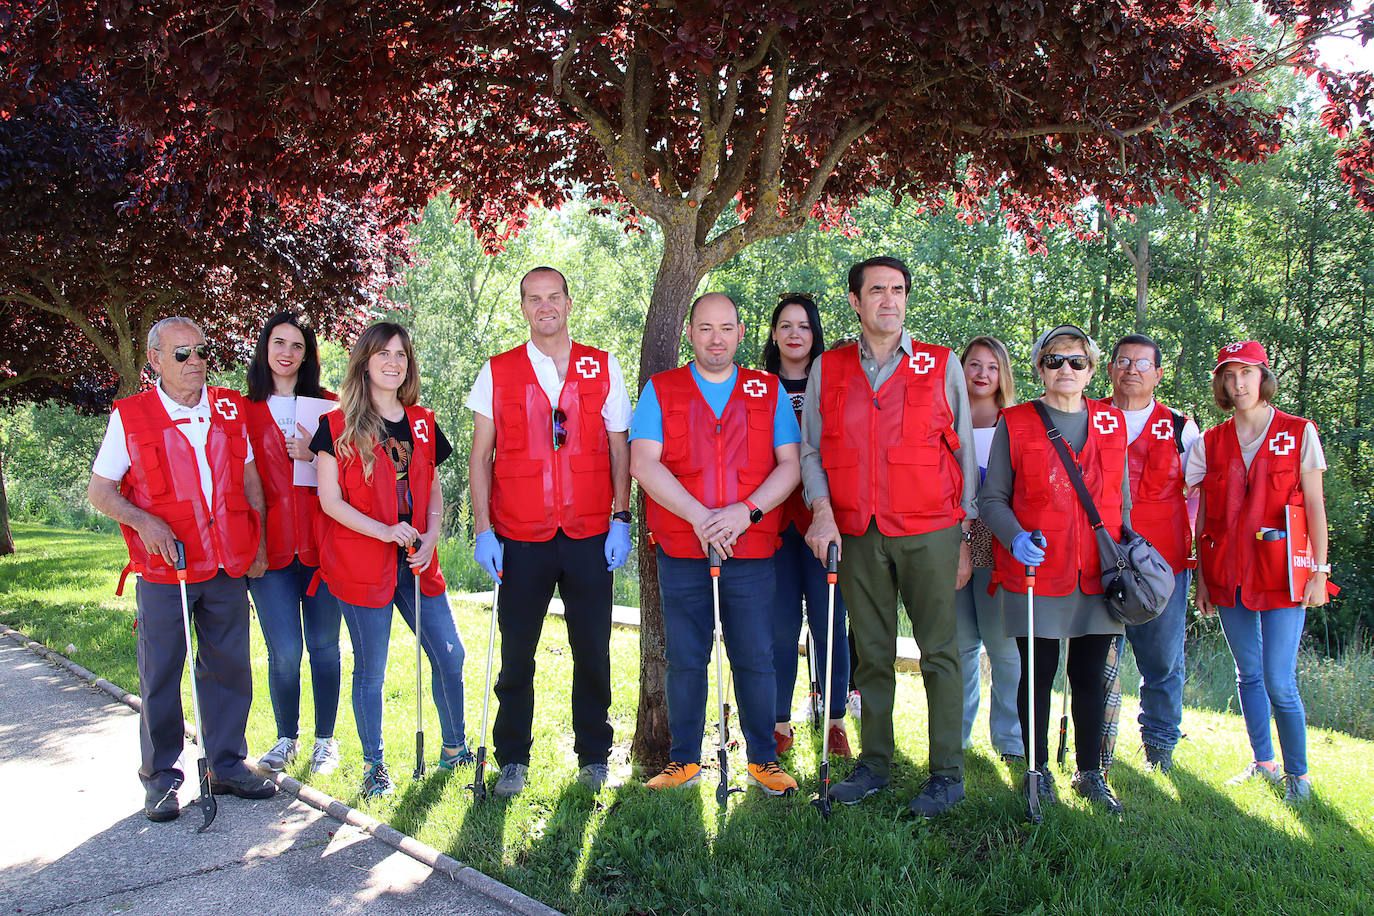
(560, 836)
(418, 799)
(481, 841)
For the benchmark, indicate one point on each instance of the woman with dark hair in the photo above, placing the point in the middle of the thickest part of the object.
(1252, 469)
(991, 387)
(286, 365)
(377, 460)
(795, 339)
(1027, 489)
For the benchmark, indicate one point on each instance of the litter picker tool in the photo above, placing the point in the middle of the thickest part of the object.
(419, 682)
(832, 569)
(1063, 704)
(1032, 774)
(206, 802)
(723, 791)
(479, 776)
(813, 700)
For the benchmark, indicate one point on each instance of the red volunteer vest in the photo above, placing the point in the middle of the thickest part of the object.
(889, 454)
(361, 569)
(1159, 505)
(1044, 498)
(719, 461)
(164, 480)
(535, 488)
(292, 512)
(1237, 504)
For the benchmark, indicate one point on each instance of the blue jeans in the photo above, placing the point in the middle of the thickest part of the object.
(1265, 646)
(370, 631)
(1158, 648)
(292, 622)
(980, 624)
(800, 574)
(746, 596)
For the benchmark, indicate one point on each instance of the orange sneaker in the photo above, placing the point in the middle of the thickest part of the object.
(770, 778)
(783, 741)
(675, 775)
(839, 743)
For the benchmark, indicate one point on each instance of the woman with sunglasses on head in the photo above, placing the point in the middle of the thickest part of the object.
(1027, 489)
(1252, 469)
(795, 339)
(286, 365)
(991, 387)
(377, 460)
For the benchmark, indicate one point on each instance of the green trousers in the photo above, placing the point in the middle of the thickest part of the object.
(874, 570)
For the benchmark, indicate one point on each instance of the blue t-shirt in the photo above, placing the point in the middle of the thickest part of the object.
(648, 419)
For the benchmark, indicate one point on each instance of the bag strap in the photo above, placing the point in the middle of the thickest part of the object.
(1180, 421)
(1070, 466)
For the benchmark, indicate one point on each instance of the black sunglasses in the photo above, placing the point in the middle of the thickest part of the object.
(182, 354)
(1055, 360)
(560, 429)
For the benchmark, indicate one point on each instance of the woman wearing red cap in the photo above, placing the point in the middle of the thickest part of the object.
(1250, 469)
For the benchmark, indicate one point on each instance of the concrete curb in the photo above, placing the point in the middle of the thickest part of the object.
(421, 852)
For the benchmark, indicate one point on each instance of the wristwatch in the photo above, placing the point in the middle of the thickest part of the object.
(755, 513)
(967, 535)
(621, 516)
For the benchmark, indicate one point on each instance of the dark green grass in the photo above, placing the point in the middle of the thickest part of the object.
(1188, 843)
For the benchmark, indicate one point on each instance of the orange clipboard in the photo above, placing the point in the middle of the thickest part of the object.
(1300, 561)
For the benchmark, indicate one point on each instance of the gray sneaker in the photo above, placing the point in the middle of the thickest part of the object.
(594, 776)
(1256, 770)
(280, 754)
(1297, 789)
(938, 795)
(1159, 758)
(512, 780)
(1092, 785)
(1044, 785)
(325, 758)
(858, 785)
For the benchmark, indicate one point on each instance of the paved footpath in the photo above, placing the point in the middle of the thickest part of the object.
(73, 838)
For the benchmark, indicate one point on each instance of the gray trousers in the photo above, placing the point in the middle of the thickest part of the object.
(219, 617)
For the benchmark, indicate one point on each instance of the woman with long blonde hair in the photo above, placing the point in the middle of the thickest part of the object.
(378, 487)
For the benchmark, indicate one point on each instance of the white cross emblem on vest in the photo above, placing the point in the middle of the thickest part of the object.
(1105, 422)
(1233, 348)
(587, 367)
(422, 429)
(755, 388)
(1282, 444)
(227, 408)
(1163, 428)
(921, 363)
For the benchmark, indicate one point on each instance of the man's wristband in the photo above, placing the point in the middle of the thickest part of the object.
(621, 516)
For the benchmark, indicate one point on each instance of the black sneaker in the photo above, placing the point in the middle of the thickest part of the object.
(1044, 786)
(1159, 758)
(1092, 785)
(161, 805)
(858, 785)
(938, 795)
(244, 785)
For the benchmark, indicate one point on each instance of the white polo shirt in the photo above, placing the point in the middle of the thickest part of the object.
(616, 411)
(112, 461)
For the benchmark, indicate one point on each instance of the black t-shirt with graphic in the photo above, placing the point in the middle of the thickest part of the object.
(796, 392)
(398, 445)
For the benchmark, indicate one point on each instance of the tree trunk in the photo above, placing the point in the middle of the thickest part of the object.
(678, 275)
(1142, 275)
(6, 539)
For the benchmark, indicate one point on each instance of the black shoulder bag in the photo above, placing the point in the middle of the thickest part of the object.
(1136, 580)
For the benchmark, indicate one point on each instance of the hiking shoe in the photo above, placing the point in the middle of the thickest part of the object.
(839, 743)
(938, 795)
(280, 754)
(325, 758)
(1257, 770)
(245, 785)
(675, 775)
(770, 778)
(1044, 787)
(161, 805)
(1297, 789)
(853, 704)
(783, 741)
(1159, 758)
(459, 758)
(594, 776)
(1012, 759)
(1092, 785)
(512, 780)
(858, 785)
(377, 782)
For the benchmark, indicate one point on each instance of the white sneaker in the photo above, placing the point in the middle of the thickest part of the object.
(853, 705)
(325, 758)
(281, 753)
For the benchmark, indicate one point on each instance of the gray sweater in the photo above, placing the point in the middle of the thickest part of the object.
(1074, 614)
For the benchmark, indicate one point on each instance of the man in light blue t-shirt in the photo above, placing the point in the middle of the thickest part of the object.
(715, 449)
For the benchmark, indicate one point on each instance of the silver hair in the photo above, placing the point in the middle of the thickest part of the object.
(155, 332)
(1072, 332)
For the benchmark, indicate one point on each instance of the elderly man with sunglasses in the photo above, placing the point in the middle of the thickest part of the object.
(176, 465)
(550, 479)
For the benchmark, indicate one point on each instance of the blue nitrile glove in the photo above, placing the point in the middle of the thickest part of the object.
(1026, 550)
(617, 544)
(488, 553)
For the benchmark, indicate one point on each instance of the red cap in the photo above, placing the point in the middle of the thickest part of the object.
(1247, 352)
